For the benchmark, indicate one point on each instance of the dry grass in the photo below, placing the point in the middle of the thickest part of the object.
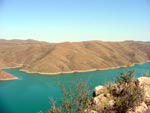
(64, 57)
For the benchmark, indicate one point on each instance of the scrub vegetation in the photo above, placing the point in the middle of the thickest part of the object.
(76, 99)
(126, 94)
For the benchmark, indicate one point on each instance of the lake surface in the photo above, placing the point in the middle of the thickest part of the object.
(30, 93)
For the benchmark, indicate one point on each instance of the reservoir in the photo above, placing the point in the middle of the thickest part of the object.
(31, 92)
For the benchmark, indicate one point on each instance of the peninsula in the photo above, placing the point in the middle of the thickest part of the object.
(6, 76)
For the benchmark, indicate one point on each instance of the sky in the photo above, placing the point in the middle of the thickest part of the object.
(75, 20)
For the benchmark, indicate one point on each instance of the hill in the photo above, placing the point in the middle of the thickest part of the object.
(43, 57)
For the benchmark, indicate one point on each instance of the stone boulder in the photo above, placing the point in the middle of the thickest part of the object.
(98, 90)
(145, 83)
(102, 98)
(142, 108)
(102, 101)
(90, 111)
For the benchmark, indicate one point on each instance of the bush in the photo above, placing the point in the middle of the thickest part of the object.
(76, 99)
(127, 93)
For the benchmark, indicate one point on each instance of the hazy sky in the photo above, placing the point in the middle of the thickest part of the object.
(75, 20)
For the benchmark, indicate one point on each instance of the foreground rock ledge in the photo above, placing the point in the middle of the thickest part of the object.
(100, 97)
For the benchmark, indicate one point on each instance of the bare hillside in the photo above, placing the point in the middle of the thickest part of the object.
(71, 56)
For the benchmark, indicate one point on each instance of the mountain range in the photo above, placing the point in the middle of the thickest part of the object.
(44, 57)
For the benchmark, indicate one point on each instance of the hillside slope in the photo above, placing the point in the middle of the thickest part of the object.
(71, 56)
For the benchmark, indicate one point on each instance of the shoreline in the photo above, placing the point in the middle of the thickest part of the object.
(4, 76)
(82, 71)
(69, 72)
(6, 79)
(19, 66)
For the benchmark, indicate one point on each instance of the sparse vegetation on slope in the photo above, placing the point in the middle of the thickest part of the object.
(68, 57)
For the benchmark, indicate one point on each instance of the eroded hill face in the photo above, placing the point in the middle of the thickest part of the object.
(64, 57)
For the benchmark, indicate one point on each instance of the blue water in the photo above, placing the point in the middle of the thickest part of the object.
(30, 93)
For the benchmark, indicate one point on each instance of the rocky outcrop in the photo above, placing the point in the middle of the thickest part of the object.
(98, 90)
(142, 108)
(103, 98)
(145, 81)
(148, 110)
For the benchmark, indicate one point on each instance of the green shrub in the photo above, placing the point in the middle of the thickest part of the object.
(127, 93)
(76, 99)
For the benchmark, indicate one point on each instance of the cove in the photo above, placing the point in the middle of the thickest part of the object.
(30, 93)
